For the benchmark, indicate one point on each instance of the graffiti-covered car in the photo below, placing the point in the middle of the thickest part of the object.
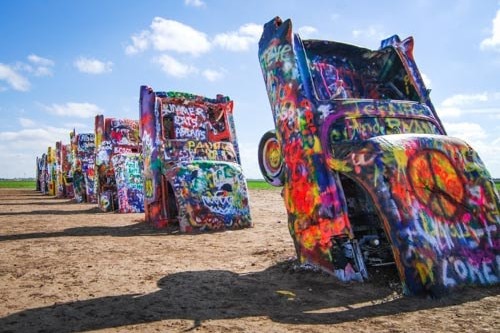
(192, 171)
(64, 179)
(83, 166)
(42, 174)
(118, 165)
(369, 175)
(51, 171)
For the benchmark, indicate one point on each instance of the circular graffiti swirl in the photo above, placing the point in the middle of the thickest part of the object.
(270, 159)
(436, 182)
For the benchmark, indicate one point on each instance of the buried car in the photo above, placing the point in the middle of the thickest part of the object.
(369, 175)
(83, 168)
(118, 165)
(192, 170)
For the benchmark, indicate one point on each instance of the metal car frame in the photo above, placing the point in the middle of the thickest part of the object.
(192, 171)
(369, 175)
(118, 165)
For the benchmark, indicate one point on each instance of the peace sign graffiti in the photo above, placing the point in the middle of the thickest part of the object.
(436, 182)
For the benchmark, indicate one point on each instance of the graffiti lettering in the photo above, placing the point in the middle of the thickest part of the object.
(190, 121)
(277, 54)
(218, 204)
(349, 129)
(446, 236)
(184, 111)
(464, 271)
(194, 133)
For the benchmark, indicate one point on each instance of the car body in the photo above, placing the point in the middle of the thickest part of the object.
(83, 166)
(51, 171)
(64, 179)
(42, 173)
(118, 165)
(192, 171)
(369, 175)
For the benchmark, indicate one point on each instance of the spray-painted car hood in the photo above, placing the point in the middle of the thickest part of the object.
(437, 203)
(211, 194)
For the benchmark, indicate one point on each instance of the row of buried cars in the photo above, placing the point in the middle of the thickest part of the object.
(179, 164)
(369, 176)
(104, 167)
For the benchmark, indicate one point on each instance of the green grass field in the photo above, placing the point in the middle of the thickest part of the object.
(17, 184)
(256, 184)
(252, 184)
(262, 184)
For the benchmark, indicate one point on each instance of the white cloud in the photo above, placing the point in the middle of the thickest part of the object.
(18, 149)
(462, 104)
(27, 137)
(37, 60)
(493, 42)
(486, 146)
(448, 112)
(169, 35)
(93, 66)
(470, 132)
(194, 3)
(427, 80)
(80, 110)
(461, 100)
(87, 127)
(212, 75)
(43, 66)
(13, 79)
(241, 40)
(37, 66)
(371, 32)
(140, 42)
(25, 122)
(173, 67)
(306, 32)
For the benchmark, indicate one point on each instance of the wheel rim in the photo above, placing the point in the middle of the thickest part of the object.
(273, 161)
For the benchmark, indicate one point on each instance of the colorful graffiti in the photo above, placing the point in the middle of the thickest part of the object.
(42, 173)
(64, 178)
(129, 182)
(51, 171)
(83, 169)
(192, 171)
(369, 175)
(119, 165)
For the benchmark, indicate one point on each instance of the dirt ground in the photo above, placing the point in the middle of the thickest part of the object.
(67, 267)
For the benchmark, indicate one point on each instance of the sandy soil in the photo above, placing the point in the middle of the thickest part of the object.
(67, 267)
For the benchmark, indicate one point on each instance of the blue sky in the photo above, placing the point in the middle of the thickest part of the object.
(62, 62)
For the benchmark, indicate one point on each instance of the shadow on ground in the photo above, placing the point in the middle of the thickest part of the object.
(137, 229)
(278, 292)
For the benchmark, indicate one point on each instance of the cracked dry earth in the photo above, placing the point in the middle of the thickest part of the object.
(67, 267)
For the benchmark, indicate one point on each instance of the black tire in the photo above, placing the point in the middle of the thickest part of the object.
(271, 162)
